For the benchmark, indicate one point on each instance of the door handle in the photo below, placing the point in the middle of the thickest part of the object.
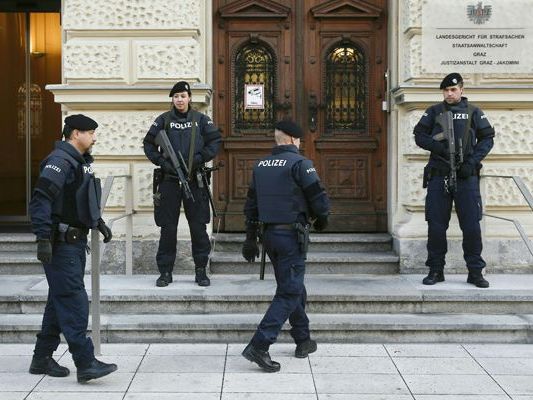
(313, 112)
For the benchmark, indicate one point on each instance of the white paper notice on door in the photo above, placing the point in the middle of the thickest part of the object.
(254, 96)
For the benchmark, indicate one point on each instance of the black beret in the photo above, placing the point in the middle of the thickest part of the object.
(451, 80)
(290, 128)
(181, 86)
(81, 122)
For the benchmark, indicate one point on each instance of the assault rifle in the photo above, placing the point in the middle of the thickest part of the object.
(177, 162)
(202, 176)
(445, 120)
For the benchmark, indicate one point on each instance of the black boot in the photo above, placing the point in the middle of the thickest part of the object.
(96, 369)
(48, 366)
(475, 277)
(261, 358)
(201, 277)
(434, 276)
(305, 348)
(164, 279)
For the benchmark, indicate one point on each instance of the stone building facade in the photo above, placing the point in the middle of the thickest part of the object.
(120, 57)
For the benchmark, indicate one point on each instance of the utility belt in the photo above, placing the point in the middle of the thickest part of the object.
(430, 172)
(302, 231)
(69, 234)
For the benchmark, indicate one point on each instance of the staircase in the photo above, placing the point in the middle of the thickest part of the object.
(355, 294)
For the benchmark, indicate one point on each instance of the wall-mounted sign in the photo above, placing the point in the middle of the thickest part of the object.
(489, 36)
(254, 96)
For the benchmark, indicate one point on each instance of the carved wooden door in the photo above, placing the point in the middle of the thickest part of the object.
(321, 63)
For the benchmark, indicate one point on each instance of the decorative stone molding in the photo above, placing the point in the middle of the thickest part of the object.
(95, 60)
(412, 193)
(410, 14)
(128, 14)
(117, 196)
(167, 59)
(503, 192)
(142, 181)
(120, 133)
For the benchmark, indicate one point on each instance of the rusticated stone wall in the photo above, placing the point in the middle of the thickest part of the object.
(114, 48)
(512, 117)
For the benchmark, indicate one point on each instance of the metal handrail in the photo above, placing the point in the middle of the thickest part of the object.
(519, 182)
(97, 251)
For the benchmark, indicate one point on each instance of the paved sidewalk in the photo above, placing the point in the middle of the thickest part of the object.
(334, 372)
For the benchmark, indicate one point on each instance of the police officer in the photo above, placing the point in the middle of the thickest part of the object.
(195, 136)
(284, 194)
(64, 206)
(474, 136)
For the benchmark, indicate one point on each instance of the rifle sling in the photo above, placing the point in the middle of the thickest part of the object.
(193, 143)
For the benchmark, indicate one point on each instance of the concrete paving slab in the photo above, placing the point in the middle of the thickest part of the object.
(15, 363)
(349, 350)
(18, 381)
(74, 395)
(268, 383)
(123, 349)
(13, 395)
(461, 397)
(330, 396)
(267, 396)
(515, 384)
(289, 365)
(187, 349)
(437, 366)
(177, 383)
(522, 397)
(500, 350)
(352, 365)
(188, 364)
(507, 366)
(426, 350)
(115, 382)
(389, 384)
(452, 384)
(16, 349)
(172, 396)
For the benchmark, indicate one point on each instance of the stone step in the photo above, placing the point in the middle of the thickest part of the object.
(17, 242)
(19, 263)
(320, 242)
(334, 294)
(351, 328)
(316, 263)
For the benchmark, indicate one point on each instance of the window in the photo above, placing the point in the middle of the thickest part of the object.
(254, 69)
(346, 89)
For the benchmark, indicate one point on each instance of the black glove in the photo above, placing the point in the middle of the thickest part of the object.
(104, 230)
(441, 149)
(44, 251)
(321, 223)
(167, 167)
(466, 170)
(250, 250)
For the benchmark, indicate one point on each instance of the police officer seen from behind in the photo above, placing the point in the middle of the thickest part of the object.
(473, 140)
(194, 135)
(64, 206)
(285, 193)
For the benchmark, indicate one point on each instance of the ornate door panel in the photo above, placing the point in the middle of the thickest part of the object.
(321, 64)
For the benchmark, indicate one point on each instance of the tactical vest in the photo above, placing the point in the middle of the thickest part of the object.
(279, 199)
(79, 204)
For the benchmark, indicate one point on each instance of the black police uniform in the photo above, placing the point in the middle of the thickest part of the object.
(476, 145)
(207, 143)
(66, 193)
(285, 190)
